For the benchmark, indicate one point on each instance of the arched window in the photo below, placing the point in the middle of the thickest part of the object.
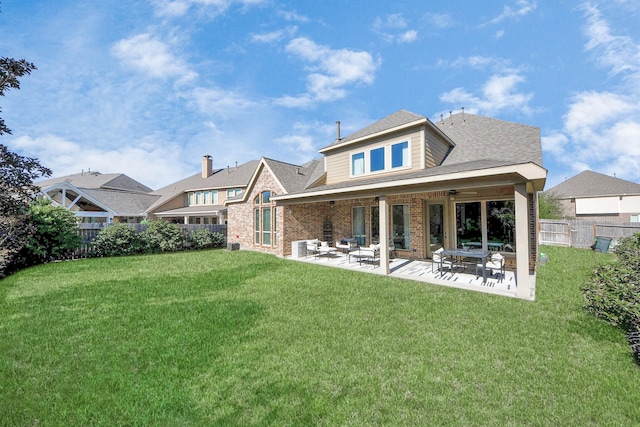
(264, 219)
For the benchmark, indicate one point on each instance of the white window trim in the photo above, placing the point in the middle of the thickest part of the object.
(387, 158)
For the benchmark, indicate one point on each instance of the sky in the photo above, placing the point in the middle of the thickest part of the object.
(147, 87)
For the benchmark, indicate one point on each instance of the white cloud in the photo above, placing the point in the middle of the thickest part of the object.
(174, 8)
(439, 20)
(293, 16)
(621, 54)
(522, 8)
(407, 37)
(330, 71)
(149, 55)
(392, 29)
(274, 36)
(478, 62)
(153, 163)
(219, 102)
(602, 128)
(497, 94)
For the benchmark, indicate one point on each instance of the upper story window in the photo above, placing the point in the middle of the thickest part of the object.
(357, 164)
(205, 197)
(380, 159)
(377, 159)
(400, 155)
(232, 192)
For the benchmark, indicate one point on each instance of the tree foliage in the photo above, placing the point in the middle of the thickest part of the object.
(56, 234)
(163, 236)
(10, 72)
(549, 206)
(613, 293)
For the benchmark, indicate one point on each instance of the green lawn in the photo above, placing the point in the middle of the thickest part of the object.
(241, 338)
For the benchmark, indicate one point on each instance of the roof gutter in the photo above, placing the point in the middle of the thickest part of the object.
(529, 172)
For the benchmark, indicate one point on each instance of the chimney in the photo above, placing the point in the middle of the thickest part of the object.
(338, 131)
(207, 166)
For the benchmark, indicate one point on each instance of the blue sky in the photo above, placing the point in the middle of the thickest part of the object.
(147, 87)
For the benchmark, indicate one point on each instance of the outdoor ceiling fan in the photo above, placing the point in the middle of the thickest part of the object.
(454, 192)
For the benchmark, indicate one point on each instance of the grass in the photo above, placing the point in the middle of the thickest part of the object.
(241, 338)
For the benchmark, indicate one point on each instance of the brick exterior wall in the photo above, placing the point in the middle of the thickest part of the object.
(240, 217)
(307, 221)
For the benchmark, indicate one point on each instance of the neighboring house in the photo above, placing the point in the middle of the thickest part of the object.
(595, 196)
(99, 198)
(200, 198)
(464, 181)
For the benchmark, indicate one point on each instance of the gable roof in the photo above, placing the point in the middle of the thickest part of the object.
(293, 177)
(398, 120)
(289, 177)
(96, 180)
(231, 177)
(593, 184)
(478, 137)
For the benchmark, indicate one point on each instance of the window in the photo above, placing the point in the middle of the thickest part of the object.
(266, 197)
(400, 226)
(487, 224)
(256, 226)
(214, 197)
(377, 159)
(634, 218)
(375, 224)
(468, 225)
(358, 224)
(266, 226)
(400, 154)
(501, 226)
(357, 164)
(232, 192)
(263, 220)
(192, 199)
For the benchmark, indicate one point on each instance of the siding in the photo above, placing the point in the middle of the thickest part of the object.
(339, 161)
(436, 149)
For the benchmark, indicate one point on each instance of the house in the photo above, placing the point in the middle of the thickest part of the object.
(594, 196)
(464, 181)
(200, 198)
(99, 198)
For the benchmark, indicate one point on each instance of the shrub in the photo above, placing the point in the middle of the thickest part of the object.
(613, 294)
(56, 234)
(163, 236)
(117, 239)
(204, 238)
(15, 231)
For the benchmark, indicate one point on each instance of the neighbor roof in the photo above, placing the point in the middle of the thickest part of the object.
(96, 180)
(593, 184)
(231, 177)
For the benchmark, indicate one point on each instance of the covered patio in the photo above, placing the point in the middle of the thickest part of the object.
(422, 271)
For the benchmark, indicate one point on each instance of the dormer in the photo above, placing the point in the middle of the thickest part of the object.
(399, 143)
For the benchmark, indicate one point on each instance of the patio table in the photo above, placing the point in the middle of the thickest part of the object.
(470, 253)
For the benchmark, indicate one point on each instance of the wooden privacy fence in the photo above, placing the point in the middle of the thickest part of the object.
(582, 234)
(88, 231)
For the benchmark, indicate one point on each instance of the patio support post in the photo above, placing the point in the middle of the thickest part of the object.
(523, 288)
(384, 235)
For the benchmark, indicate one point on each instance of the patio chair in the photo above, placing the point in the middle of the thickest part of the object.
(312, 247)
(496, 263)
(347, 245)
(392, 248)
(442, 262)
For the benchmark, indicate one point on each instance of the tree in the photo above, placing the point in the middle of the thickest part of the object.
(56, 234)
(549, 206)
(17, 174)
